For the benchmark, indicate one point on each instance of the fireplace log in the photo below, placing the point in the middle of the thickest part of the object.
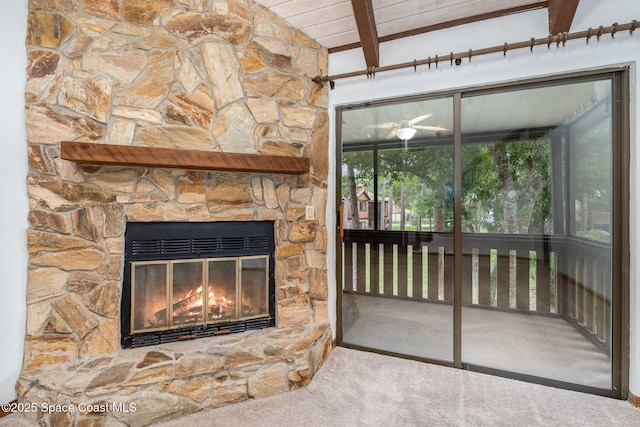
(183, 306)
(187, 304)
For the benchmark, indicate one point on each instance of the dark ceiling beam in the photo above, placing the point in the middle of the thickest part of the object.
(561, 14)
(366, 22)
(441, 25)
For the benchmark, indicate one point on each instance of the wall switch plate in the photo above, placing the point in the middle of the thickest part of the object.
(309, 213)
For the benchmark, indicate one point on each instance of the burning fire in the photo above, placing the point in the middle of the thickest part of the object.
(218, 306)
(189, 308)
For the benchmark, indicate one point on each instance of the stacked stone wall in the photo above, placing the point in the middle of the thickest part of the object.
(213, 75)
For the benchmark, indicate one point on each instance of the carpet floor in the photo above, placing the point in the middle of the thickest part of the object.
(355, 388)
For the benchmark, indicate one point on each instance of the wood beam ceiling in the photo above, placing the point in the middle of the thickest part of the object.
(561, 14)
(442, 25)
(466, 20)
(365, 20)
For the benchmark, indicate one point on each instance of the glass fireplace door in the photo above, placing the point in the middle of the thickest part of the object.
(223, 296)
(149, 296)
(190, 280)
(180, 293)
(187, 293)
(253, 287)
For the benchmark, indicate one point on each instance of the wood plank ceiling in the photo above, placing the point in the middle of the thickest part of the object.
(348, 24)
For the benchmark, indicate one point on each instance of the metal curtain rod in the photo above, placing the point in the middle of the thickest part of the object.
(457, 58)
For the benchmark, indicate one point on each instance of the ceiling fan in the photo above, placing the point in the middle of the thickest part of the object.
(406, 129)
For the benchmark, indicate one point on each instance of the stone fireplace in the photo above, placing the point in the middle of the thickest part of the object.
(188, 280)
(189, 76)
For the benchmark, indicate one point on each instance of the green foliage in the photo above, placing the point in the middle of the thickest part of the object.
(362, 162)
(489, 171)
(479, 184)
(592, 179)
(595, 234)
(427, 175)
(506, 185)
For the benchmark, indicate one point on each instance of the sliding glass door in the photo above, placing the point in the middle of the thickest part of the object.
(486, 229)
(397, 215)
(536, 214)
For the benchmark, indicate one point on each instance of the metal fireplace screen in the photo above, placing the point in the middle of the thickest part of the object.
(191, 280)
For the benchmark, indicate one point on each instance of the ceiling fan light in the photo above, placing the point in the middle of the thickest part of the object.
(405, 133)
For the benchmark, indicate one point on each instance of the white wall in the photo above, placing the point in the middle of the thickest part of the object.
(516, 65)
(13, 214)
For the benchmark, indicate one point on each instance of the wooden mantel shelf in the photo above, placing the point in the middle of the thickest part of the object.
(127, 155)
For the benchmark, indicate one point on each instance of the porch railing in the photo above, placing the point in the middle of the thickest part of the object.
(549, 275)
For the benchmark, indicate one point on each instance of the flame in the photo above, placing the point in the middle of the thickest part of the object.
(193, 291)
(216, 305)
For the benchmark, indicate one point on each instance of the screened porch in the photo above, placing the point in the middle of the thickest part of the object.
(485, 229)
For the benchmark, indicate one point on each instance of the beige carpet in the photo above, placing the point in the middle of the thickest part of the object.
(356, 388)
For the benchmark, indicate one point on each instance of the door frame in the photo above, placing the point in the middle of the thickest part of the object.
(620, 250)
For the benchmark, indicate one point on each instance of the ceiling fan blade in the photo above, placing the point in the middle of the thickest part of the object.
(420, 118)
(388, 125)
(391, 134)
(436, 128)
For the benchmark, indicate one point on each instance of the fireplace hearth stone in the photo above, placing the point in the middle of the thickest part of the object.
(144, 385)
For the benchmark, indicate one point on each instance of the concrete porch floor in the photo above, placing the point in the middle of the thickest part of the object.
(545, 347)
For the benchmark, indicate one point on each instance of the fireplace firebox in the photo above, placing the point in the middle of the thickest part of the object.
(190, 280)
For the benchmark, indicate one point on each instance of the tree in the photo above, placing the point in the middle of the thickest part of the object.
(383, 208)
(359, 171)
(426, 174)
(353, 197)
(503, 185)
(591, 179)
